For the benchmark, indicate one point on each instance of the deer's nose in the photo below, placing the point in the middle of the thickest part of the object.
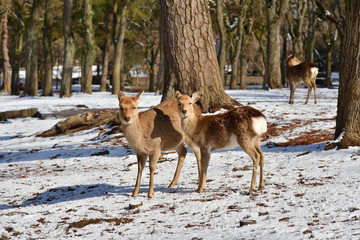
(127, 119)
(184, 111)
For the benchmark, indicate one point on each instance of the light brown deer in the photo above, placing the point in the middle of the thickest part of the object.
(298, 72)
(150, 132)
(242, 126)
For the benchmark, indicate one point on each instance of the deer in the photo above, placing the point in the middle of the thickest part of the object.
(241, 126)
(150, 132)
(298, 72)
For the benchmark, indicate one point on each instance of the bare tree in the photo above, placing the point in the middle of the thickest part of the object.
(47, 43)
(5, 52)
(117, 82)
(275, 18)
(90, 48)
(222, 37)
(190, 58)
(69, 49)
(31, 48)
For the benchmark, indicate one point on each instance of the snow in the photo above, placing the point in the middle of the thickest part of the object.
(47, 184)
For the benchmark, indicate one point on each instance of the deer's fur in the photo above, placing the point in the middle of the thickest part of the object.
(242, 126)
(298, 72)
(150, 132)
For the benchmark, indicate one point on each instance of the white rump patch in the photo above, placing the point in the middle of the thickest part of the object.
(314, 71)
(259, 125)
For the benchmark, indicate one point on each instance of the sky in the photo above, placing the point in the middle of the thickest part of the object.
(64, 187)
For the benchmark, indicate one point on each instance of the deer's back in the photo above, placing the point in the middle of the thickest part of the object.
(300, 72)
(217, 131)
(162, 125)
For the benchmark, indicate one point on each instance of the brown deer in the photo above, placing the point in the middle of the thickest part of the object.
(298, 72)
(150, 132)
(242, 126)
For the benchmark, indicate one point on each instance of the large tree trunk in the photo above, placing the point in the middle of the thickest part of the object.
(69, 49)
(275, 19)
(117, 84)
(348, 109)
(6, 60)
(90, 48)
(31, 39)
(222, 38)
(190, 58)
(47, 43)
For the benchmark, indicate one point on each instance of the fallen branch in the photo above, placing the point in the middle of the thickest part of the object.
(81, 122)
(23, 113)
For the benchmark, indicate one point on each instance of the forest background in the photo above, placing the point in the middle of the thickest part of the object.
(172, 41)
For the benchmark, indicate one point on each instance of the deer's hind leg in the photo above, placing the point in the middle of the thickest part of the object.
(248, 145)
(262, 162)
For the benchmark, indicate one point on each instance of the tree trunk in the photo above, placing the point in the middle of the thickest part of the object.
(243, 70)
(222, 38)
(105, 66)
(328, 80)
(90, 48)
(348, 109)
(275, 19)
(116, 80)
(6, 60)
(69, 49)
(106, 54)
(31, 47)
(47, 41)
(234, 80)
(190, 58)
(16, 59)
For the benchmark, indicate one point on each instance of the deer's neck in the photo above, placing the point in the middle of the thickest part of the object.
(133, 133)
(189, 125)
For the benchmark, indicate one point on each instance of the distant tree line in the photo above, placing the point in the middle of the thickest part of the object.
(253, 36)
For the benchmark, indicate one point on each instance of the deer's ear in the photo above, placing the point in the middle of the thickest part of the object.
(138, 96)
(120, 94)
(196, 96)
(177, 94)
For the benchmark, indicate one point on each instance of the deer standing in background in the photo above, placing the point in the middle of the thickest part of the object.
(242, 126)
(150, 132)
(298, 72)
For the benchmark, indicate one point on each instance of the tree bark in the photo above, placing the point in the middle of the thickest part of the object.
(190, 58)
(31, 47)
(90, 48)
(222, 38)
(117, 84)
(47, 43)
(106, 54)
(272, 65)
(348, 118)
(17, 53)
(6, 60)
(69, 49)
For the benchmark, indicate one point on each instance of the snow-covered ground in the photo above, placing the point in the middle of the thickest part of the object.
(61, 187)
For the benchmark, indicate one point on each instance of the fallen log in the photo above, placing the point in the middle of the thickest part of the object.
(22, 113)
(81, 122)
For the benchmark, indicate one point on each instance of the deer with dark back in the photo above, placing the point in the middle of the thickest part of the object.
(298, 72)
(152, 131)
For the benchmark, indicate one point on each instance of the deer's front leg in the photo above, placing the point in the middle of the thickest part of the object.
(153, 159)
(205, 158)
(141, 164)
